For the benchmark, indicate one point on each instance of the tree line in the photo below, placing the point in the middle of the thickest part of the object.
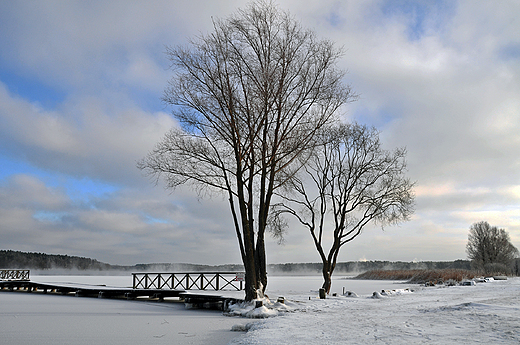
(10, 259)
(364, 266)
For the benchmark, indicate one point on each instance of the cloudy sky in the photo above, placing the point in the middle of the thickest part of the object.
(80, 89)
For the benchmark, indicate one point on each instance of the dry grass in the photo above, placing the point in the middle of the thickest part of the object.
(420, 276)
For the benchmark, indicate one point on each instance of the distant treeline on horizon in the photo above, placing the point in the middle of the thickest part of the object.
(10, 259)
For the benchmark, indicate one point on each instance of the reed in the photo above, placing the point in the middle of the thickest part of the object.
(421, 276)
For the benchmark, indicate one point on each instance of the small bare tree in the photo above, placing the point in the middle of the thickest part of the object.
(489, 248)
(348, 182)
(250, 98)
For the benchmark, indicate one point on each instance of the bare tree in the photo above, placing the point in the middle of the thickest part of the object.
(489, 248)
(348, 182)
(250, 98)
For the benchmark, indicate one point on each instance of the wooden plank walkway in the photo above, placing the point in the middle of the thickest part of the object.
(194, 299)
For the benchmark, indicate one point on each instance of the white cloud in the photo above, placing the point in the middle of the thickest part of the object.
(84, 137)
(113, 228)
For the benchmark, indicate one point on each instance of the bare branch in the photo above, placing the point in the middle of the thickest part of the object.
(251, 98)
(355, 182)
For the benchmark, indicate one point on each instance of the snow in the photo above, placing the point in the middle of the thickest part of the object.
(401, 314)
(482, 313)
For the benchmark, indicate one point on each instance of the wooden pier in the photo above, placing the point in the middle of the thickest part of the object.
(192, 298)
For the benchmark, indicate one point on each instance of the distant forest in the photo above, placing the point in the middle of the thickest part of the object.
(10, 259)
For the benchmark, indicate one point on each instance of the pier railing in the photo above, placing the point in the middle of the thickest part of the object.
(14, 274)
(189, 281)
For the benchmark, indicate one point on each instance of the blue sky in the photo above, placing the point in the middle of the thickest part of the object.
(80, 90)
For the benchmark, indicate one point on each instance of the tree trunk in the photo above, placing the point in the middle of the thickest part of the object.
(261, 267)
(327, 277)
(251, 286)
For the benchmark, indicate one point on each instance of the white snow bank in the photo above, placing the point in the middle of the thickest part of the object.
(396, 292)
(351, 294)
(265, 310)
(377, 295)
(387, 293)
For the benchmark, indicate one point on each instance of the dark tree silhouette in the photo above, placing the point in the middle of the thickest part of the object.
(250, 98)
(489, 248)
(348, 182)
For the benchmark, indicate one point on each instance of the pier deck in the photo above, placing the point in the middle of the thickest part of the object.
(193, 298)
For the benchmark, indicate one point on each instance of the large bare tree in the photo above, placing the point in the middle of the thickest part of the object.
(348, 182)
(489, 248)
(250, 98)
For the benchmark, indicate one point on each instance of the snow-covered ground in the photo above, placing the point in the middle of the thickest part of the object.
(485, 313)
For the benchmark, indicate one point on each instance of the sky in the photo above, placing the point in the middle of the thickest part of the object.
(80, 103)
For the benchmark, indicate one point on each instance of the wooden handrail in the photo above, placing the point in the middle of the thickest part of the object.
(14, 274)
(189, 280)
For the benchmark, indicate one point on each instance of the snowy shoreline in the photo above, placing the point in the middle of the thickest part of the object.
(481, 313)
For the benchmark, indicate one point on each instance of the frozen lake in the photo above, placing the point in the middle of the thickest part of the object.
(485, 313)
(298, 284)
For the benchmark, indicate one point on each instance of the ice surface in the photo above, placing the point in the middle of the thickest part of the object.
(35, 318)
(405, 314)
